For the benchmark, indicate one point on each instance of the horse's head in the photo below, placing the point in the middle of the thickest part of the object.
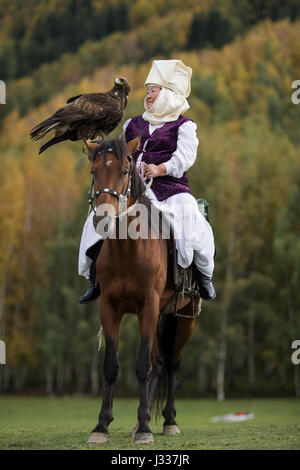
(112, 169)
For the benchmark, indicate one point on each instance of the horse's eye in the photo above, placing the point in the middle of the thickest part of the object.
(125, 172)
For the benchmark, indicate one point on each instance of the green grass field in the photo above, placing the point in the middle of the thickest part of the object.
(65, 423)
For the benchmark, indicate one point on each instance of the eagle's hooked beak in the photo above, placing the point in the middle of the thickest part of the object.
(118, 81)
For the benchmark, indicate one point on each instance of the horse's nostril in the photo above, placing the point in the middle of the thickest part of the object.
(106, 222)
(96, 219)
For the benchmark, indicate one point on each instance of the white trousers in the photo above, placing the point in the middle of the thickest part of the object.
(193, 234)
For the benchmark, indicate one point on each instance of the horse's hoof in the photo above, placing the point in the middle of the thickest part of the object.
(143, 438)
(98, 438)
(134, 430)
(171, 430)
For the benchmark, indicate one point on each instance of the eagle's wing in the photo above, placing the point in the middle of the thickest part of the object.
(90, 106)
(73, 98)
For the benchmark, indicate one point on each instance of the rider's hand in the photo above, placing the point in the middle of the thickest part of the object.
(152, 171)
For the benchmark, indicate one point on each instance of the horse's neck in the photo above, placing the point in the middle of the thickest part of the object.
(126, 244)
(127, 239)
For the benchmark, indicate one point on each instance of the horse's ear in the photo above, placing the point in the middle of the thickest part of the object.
(133, 145)
(90, 146)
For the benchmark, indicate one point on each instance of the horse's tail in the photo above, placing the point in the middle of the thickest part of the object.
(166, 334)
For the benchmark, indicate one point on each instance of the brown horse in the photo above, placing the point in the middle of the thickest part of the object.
(135, 276)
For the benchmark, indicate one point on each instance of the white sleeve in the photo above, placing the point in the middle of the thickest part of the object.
(185, 155)
(126, 124)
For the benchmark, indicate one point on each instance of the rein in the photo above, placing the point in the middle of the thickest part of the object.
(92, 195)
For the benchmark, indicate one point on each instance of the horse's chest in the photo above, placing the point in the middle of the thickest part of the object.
(126, 292)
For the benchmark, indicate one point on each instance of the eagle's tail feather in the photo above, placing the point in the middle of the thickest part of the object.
(39, 131)
(55, 140)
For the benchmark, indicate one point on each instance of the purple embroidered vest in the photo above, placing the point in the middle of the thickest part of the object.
(159, 148)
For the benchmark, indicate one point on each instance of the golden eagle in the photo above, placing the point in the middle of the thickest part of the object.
(87, 116)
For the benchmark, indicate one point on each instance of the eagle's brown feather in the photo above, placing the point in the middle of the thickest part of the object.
(87, 116)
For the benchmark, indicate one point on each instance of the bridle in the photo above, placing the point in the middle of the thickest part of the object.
(92, 195)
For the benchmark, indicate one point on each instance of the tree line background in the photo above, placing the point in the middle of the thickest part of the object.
(245, 55)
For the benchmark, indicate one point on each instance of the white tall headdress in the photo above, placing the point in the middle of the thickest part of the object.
(175, 79)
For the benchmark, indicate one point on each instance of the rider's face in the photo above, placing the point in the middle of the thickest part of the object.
(152, 94)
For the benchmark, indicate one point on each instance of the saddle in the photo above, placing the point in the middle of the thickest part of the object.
(184, 281)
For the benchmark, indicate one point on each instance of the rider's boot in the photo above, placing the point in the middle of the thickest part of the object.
(205, 286)
(93, 291)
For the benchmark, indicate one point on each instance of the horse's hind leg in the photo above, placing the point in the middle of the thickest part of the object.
(111, 326)
(184, 330)
(170, 426)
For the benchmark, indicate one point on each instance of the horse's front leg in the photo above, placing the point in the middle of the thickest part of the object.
(148, 319)
(110, 321)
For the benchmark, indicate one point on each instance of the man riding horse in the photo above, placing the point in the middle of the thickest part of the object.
(168, 149)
